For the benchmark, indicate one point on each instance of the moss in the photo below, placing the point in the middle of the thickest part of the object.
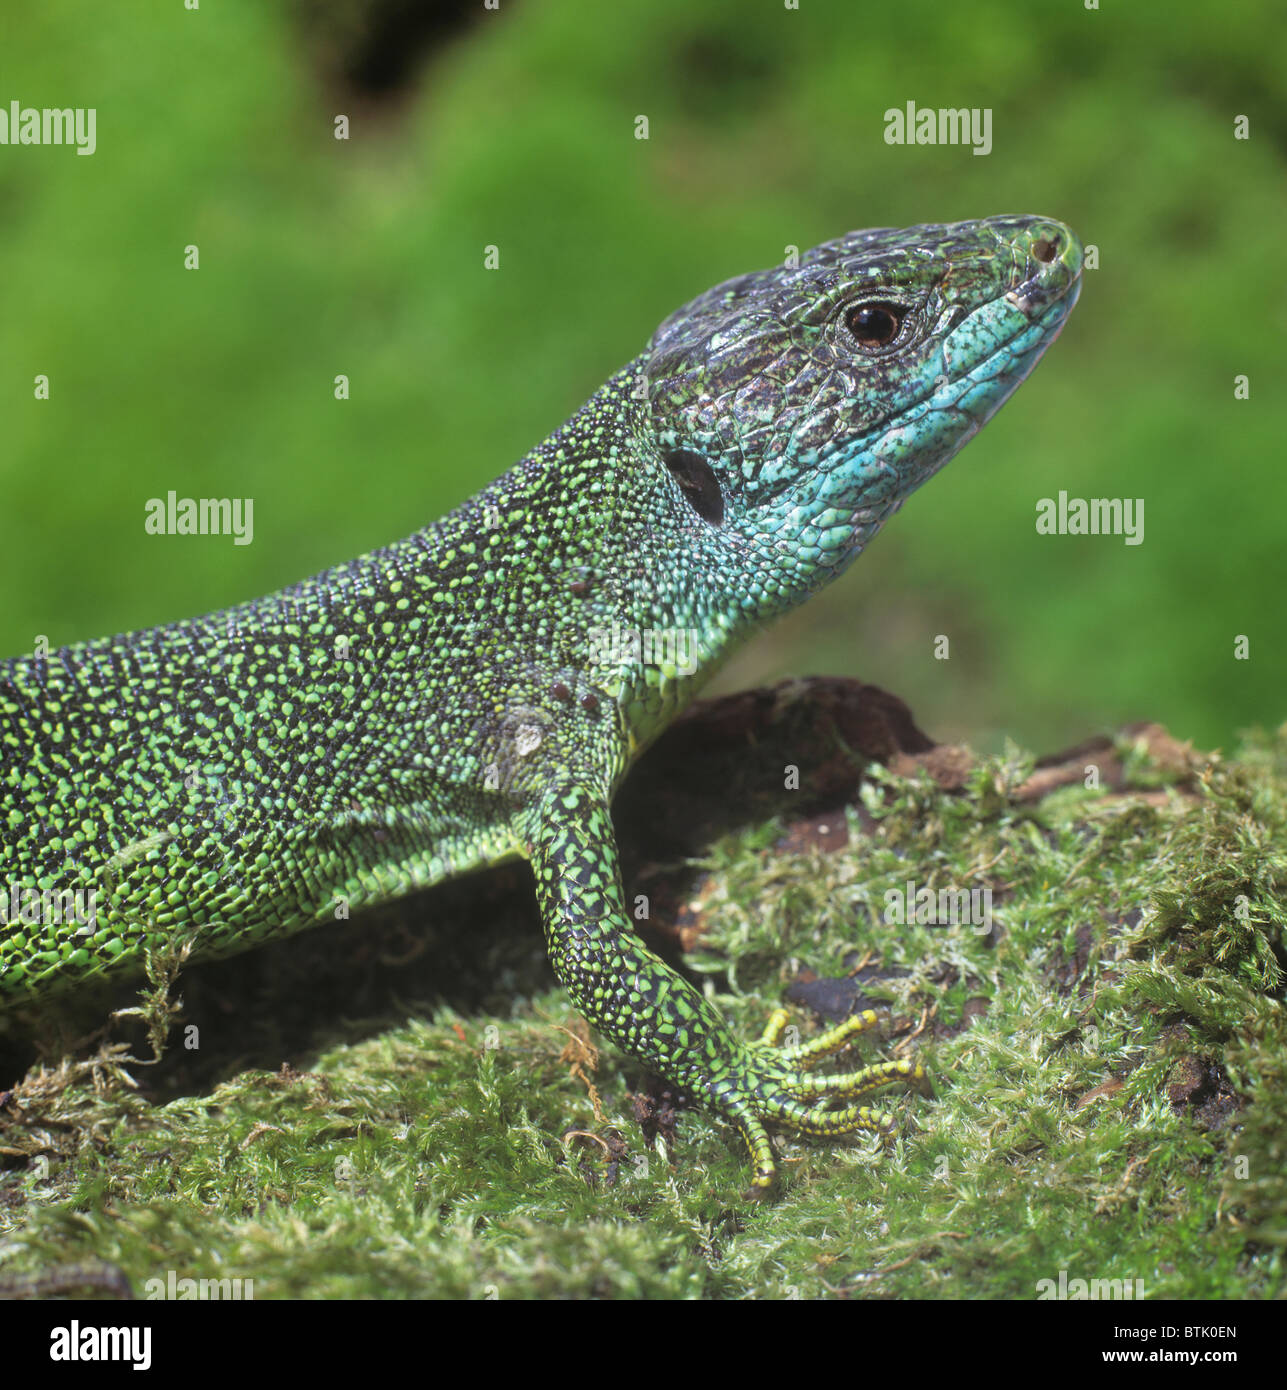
(1107, 1061)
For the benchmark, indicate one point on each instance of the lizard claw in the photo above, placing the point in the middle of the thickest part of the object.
(773, 1084)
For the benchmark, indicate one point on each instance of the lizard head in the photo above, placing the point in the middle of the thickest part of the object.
(796, 408)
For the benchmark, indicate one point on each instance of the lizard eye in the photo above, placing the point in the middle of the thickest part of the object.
(875, 325)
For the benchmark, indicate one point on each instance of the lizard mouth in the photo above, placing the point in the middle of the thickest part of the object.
(1021, 322)
(1045, 310)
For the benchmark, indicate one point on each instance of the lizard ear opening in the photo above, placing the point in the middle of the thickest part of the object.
(700, 486)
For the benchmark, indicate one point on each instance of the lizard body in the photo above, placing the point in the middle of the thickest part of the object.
(479, 690)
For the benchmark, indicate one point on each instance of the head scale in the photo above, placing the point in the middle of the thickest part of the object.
(804, 403)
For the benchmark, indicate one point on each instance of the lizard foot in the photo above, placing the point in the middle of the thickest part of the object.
(777, 1086)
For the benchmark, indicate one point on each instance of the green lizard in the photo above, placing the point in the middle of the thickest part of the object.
(477, 691)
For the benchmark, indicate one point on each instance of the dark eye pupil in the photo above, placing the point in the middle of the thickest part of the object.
(874, 325)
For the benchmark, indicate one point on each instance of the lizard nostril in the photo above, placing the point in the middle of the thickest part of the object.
(1046, 249)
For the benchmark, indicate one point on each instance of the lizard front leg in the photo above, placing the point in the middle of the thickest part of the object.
(653, 1014)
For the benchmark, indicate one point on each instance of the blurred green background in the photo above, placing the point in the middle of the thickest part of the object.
(516, 128)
